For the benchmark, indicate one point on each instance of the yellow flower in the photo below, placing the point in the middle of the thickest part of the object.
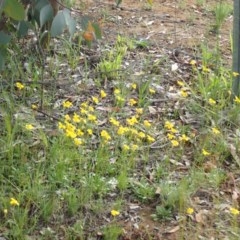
(76, 118)
(78, 141)
(215, 131)
(14, 202)
(92, 118)
(121, 130)
(125, 147)
(173, 130)
(205, 153)
(132, 121)
(134, 86)
(29, 127)
(193, 62)
(235, 74)
(152, 91)
(205, 69)
(190, 211)
(95, 100)
(90, 131)
(180, 83)
(150, 139)
(80, 133)
(146, 123)
(141, 134)
(103, 94)
(234, 211)
(115, 213)
(119, 98)
(70, 133)
(67, 104)
(175, 143)
(5, 211)
(184, 138)
(237, 100)
(67, 117)
(168, 125)
(132, 102)
(170, 136)
(34, 106)
(61, 125)
(183, 93)
(114, 122)
(117, 91)
(134, 147)
(105, 135)
(211, 101)
(139, 110)
(19, 86)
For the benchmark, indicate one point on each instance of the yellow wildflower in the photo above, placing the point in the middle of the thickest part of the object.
(114, 122)
(234, 211)
(132, 121)
(132, 102)
(205, 69)
(237, 100)
(5, 211)
(67, 117)
(134, 86)
(215, 131)
(70, 133)
(170, 136)
(184, 138)
(115, 213)
(125, 147)
(117, 91)
(34, 106)
(211, 101)
(61, 125)
(67, 104)
(152, 91)
(139, 110)
(105, 135)
(173, 130)
(190, 211)
(103, 94)
(29, 127)
(90, 131)
(175, 143)
(76, 118)
(183, 93)
(146, 123)
(235, 74)
(121, 130)
(193, 62)
(80, 133)
(19, 86)
(168, 125)
(205, 152)
(95, 100)
(141, 134)
(180, 83)
(14, 202)
(150, 139)
(119, 98)
(134, 147)
(92, 118)
(78, 141)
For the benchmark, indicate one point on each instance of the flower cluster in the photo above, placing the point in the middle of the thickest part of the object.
(174, 135)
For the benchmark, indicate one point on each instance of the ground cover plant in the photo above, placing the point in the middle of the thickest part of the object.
(130, 137)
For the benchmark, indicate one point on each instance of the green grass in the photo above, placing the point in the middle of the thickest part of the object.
(70, 156)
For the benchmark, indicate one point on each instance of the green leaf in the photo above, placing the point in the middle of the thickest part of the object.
(4, 38)
(58, 24)
(97, 30)
(46, 14)
(14, 9)
(70, 22)
(22, 28)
